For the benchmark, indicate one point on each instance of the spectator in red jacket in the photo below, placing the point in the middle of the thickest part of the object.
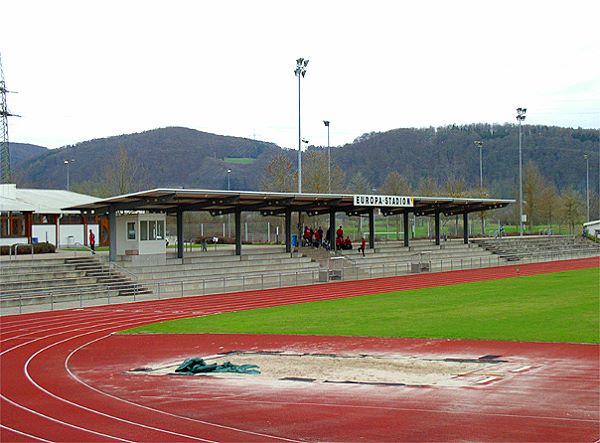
(92, 239)
(340, 233)
(363, 245)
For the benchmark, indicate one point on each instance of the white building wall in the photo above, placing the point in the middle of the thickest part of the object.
(44, 233)
(12, 241)
(70, 235)
(593, 228)
(137, 246)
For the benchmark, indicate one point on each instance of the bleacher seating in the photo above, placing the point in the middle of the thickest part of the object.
(60, 279)
(523, 248)
(393, 258)
(222, 270)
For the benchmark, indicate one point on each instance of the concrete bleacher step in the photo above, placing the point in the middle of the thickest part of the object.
(223, 272)
(522, 248)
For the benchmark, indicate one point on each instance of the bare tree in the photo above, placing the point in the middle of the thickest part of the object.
(315, 174)
(533, 185)
(279, 175)
(571, 208)
(123, 174)
(358, 184)
(395, 184)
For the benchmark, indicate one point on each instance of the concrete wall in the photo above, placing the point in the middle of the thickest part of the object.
(72, 234)
(44, 233)
(12, 241)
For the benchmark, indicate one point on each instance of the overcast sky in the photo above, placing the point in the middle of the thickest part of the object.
(91, 69)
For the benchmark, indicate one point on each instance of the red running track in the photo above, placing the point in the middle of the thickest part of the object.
(63, 378)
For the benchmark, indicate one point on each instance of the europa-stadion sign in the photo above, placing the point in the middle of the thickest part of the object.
(383, 200)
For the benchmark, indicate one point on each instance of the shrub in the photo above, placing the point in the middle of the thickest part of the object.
(39, 248)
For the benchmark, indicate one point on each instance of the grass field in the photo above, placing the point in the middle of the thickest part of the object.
(558, 307)
(239, 160)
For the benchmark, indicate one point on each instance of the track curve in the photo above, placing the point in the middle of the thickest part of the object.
(52, 392)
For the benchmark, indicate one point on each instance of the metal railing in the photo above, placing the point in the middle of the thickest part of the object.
(16, 248)
(242, 282)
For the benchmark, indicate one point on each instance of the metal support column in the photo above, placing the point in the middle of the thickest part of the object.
(331, 230)
(437, 227)
(466, 228)
(371, 228)
(406, 228)
(180, 240)
(112, 236)
(288, 229)
(238, 231)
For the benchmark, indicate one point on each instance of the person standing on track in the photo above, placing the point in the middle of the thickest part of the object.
(92, 239)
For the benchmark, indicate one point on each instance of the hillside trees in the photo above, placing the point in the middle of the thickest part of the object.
(315, 174)
(571, 208)
(396, 184)
(123, 174)
(358, 184)
(279, 175)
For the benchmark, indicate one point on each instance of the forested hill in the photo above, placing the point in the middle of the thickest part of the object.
(20, 152)
(167, 157)
(174, 157)
(450, 153)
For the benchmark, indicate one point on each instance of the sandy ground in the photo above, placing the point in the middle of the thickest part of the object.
(367, 369)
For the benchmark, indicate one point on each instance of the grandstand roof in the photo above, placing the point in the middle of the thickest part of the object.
(222, 202)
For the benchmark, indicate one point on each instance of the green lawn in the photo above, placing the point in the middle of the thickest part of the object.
(239, 160)
(558, 307)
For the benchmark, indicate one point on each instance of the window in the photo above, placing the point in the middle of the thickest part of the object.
(144, 230)
(130, 230)
(152, 230)
(160, 230)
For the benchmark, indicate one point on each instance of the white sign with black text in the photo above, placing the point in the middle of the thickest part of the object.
(384, 201)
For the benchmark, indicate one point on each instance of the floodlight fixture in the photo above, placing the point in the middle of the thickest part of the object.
(300, 72)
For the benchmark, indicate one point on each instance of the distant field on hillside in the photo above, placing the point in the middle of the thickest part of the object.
(239, 160)
(558, 307)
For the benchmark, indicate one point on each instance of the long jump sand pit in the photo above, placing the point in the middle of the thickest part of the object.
(383, 370)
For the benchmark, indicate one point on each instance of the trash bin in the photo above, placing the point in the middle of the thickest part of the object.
(323, 275)
(294, 241)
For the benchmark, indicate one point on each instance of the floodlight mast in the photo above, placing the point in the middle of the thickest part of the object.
(479, 144)
(300, 72)
(521, 118)
(326, 123)
(587, 185)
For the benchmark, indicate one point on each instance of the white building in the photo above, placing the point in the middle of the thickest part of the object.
(36, 215)
(593, 228)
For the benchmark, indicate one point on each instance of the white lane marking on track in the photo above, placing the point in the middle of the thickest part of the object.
(36, 331)
(114, 417)
(74, 376)
(25, 434)
(6, 328)
(2, 396)
(85, 408)
(60, 421)
(63, 326)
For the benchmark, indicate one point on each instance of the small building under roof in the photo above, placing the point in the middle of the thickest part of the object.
(178, 201)
(28, 215)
